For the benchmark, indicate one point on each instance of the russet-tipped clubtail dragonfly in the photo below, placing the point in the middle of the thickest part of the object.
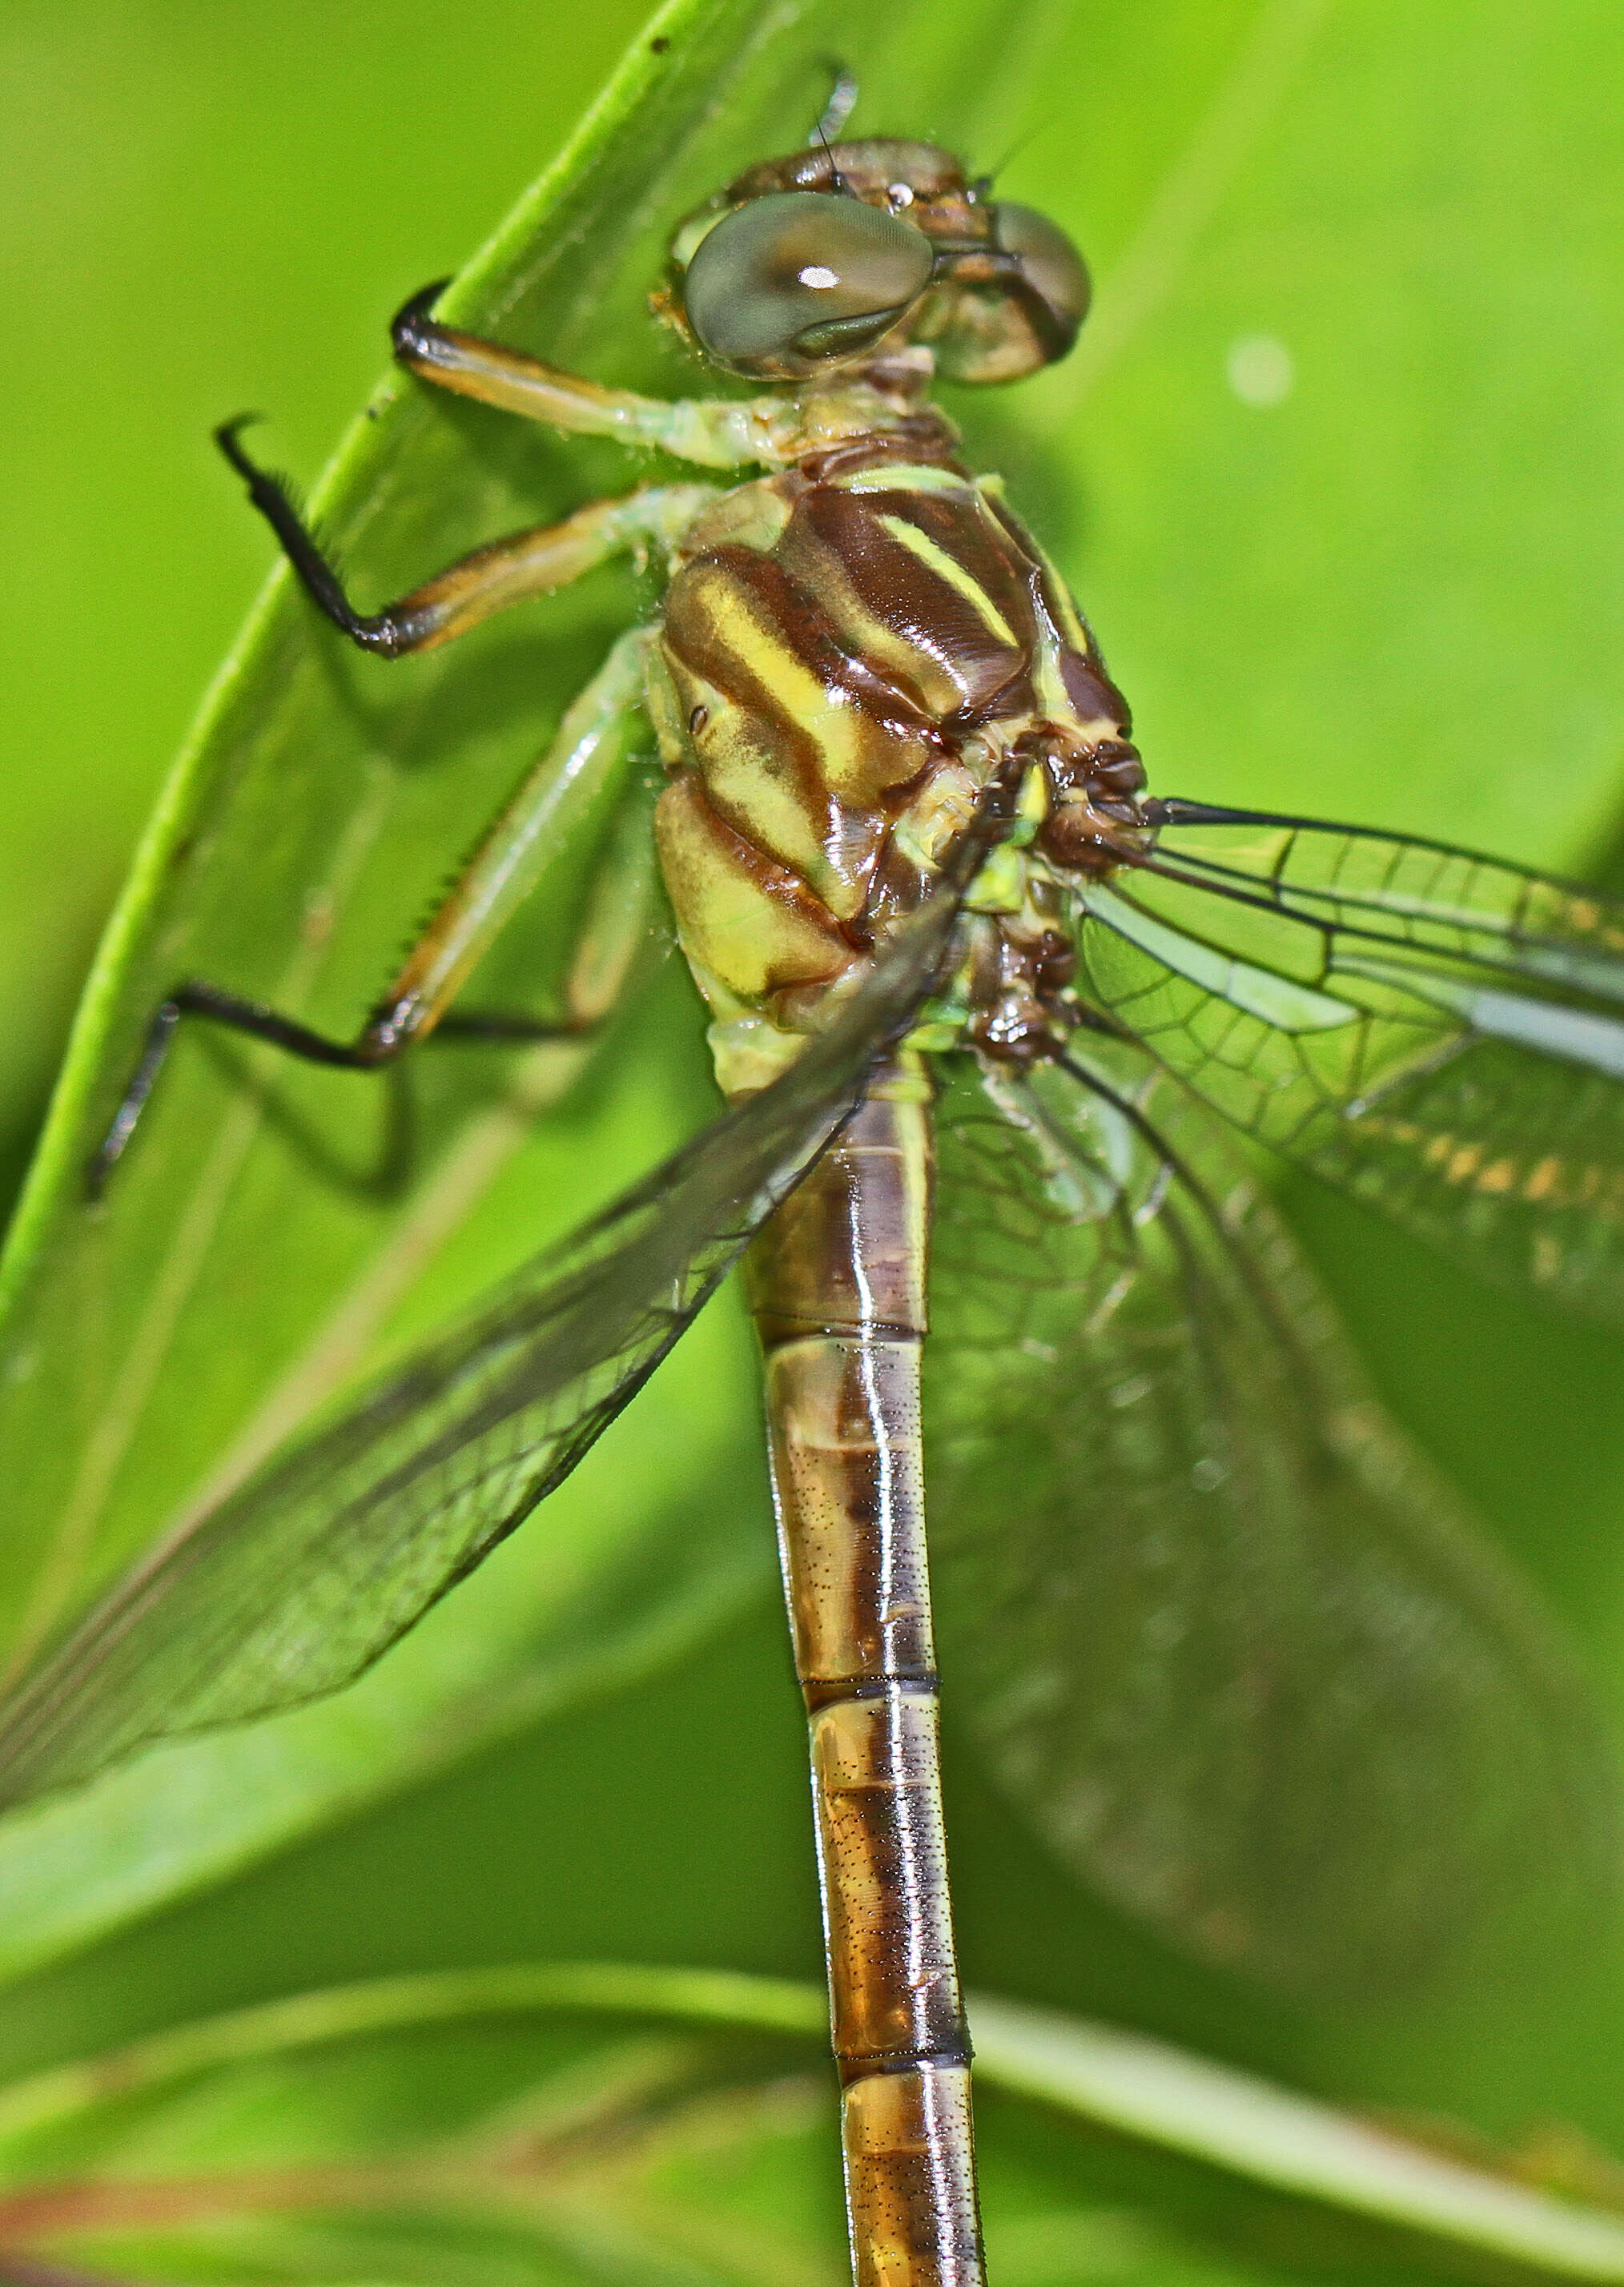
(976, 998)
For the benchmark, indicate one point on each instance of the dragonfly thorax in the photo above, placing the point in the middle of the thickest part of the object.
(850, 649)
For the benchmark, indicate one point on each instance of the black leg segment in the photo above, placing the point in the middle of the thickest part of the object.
(385, 1035)
(373, 1047)
(509, 1025)
(389, 633)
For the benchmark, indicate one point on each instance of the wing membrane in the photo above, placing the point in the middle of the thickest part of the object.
(1435, 1032)
(1230, 1644)
(299, 1581)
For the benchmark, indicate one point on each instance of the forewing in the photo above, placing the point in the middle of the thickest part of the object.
(1227, 1639)
(1435, 1032)
(300, 1580)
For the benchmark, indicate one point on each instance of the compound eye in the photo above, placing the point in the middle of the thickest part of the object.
(797, 277)
(1050, 267)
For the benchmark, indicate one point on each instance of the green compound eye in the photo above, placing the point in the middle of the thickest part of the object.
(798, 277)
(1051, 267)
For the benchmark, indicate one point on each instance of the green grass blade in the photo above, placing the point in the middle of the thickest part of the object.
(418, 2096)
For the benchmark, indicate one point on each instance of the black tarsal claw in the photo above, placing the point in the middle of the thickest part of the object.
(412, 315)
(225, 437)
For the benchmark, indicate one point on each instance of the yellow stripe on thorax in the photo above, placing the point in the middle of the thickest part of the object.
(906, 477)
(937, 559)
(802, 698)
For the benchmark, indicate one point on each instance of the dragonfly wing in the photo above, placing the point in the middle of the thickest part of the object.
(1435, 1032)
(1231, 1644)
(297, 1582)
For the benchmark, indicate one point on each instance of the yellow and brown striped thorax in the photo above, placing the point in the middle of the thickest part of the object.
(848, 647)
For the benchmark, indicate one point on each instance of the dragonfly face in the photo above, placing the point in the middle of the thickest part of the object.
(827, 258)
(1218, 1632)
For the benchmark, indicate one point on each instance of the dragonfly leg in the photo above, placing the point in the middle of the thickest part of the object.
(510, 571)
(514, 1025)
(712, 432)
(596, 745)
(614, 927)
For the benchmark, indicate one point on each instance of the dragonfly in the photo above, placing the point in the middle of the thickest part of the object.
(989, 1018)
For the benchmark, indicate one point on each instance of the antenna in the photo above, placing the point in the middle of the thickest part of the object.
(984, 183)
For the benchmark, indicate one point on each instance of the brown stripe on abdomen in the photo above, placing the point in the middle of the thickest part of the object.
(837, 1287)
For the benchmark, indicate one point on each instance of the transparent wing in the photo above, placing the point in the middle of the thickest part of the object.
(299, 1581)
(1435, 1032)
(1228, 1641)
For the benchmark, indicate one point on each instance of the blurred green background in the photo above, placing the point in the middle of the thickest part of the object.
(1339, 481)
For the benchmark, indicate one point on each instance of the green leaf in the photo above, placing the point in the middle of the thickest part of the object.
(628, 2123)
(263, 1233)
(268, 1237)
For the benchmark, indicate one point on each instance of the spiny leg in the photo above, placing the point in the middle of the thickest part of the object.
(614, 928)
(595, 745)
(504, 571)
(712, 432)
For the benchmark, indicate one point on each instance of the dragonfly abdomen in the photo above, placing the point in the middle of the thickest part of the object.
(837, 1288)
(850, 650)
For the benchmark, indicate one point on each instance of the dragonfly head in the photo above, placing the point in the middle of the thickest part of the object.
(843, 253)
